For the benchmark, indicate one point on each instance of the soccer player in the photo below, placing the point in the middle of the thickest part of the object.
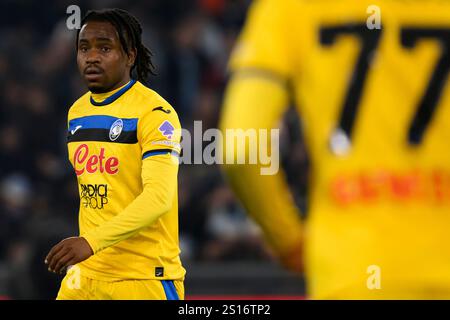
(371, 88)
(123, 143)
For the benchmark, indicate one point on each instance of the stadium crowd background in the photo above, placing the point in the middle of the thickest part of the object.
(191, 42)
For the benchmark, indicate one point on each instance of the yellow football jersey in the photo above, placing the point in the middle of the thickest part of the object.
(374, 100)
(112, 138)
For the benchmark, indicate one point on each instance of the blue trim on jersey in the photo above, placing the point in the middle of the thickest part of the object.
(101, 122)
(115, 96)
(158, 152)
(169, 289)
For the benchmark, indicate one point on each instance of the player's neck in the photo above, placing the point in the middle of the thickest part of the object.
(103, 99)
(120, 84)
(104, 95)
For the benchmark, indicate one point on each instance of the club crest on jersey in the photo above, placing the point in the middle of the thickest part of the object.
(116, 129)
(167, 129)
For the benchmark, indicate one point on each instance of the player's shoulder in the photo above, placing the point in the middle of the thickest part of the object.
(151, 102)
(79, 105)
(150, 97)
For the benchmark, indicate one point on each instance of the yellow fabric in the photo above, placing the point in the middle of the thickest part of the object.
(384, 203)
(133, 230)
(159, 177)
(90, 289)
(277, 214)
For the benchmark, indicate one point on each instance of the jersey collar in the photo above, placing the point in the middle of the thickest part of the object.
(116, 95)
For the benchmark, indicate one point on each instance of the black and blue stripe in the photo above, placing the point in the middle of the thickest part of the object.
(114, 96)
(97, 128)
(158, 152)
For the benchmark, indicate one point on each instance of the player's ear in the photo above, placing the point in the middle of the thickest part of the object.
(131, 57)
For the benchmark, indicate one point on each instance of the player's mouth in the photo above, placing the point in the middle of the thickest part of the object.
(93, 73)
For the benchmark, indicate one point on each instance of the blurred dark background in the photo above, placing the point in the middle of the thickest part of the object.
(222, 249)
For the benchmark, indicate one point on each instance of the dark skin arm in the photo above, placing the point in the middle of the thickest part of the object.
(69, 251)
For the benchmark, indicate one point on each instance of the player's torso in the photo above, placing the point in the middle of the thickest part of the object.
(105, 146)
(106, 156)
(375, 104)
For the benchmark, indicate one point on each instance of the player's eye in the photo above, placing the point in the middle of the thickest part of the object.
(83, 49)
(106, 49)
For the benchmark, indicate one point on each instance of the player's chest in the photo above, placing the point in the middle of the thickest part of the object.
(102, 144)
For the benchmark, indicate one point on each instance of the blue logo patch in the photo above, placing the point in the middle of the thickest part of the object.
(116, 129)
(166, 128)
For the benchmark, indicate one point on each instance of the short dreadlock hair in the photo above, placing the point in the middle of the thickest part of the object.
(130, 35)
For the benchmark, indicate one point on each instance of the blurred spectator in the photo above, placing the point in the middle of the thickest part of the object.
(232, 235)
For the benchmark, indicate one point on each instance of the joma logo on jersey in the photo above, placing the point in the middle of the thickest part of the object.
(84, 162)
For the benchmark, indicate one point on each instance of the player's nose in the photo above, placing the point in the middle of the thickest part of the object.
(92, 56)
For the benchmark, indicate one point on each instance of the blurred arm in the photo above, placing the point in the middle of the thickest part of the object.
(258, 102)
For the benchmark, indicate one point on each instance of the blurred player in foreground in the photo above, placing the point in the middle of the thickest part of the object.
(375, 107)
(124, 148)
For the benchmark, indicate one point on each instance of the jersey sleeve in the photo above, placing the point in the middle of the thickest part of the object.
(159, 130)
(159, 179)
(266, 198)
(263, 44)
(253, 101)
